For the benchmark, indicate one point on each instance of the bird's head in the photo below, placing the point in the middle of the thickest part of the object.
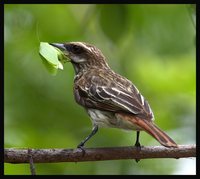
(82, 55)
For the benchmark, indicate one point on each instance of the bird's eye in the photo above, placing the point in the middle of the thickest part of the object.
(76, 49)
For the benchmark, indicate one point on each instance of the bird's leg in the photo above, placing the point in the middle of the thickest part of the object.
(137, 144)
(94, 131)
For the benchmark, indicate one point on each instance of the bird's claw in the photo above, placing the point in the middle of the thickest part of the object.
(80, 146)
(138, 148)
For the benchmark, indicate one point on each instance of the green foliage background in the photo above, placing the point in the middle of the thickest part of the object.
(152, 45)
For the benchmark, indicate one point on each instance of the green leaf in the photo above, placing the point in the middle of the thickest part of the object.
(50, 68)
(52, 57)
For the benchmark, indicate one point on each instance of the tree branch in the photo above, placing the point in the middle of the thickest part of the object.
(32, 167)
(12, 155)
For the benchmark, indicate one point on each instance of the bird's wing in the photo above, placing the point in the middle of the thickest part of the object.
(115, 99)
(130, 102)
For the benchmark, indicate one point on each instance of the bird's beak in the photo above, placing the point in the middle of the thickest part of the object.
(59, 46)
(62, 48)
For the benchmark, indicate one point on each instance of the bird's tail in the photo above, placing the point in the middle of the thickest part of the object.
(151, 129)
(157, 133)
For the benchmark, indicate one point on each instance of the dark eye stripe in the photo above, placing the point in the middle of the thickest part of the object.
(76, 49)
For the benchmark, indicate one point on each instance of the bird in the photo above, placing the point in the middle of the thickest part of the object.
(111, 100)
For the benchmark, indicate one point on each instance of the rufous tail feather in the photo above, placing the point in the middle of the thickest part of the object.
(157, 133)
(150, 128)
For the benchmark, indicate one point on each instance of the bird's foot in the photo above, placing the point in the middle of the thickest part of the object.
(81, 146)
(138, 148)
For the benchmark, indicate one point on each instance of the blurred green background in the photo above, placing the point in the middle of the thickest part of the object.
(152, 45)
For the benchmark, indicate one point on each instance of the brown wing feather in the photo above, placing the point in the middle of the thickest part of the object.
(108, 91)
